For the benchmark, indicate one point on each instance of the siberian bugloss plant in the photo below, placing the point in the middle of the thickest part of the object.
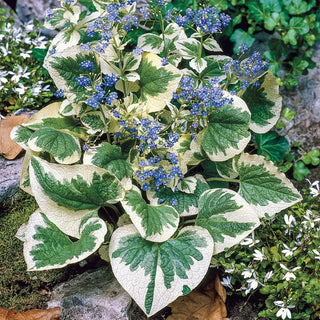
(154, 131)
(281, 262)
(23, 82)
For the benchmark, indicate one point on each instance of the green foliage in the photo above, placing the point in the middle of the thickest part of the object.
(281, 261)
(296, 23)
(159, 137)
(24, 83)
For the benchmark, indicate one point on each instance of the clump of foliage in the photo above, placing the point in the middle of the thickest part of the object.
(23, 81)
(145, 156)
(293, 24)
(281, 262)
(288, 158)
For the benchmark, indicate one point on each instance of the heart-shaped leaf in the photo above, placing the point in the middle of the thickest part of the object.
(63, 146)
(263, 186)
(47, 247)
(67, 193)
(157, 82)
(155, 223)
(155, 274)
(264, 103)
(227, 216)
(227, 133)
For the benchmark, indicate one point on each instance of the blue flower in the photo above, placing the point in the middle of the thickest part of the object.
(59, 93)
(164, 61)
(83, 81)
(87, 65)
(137, 51)
(174, 202)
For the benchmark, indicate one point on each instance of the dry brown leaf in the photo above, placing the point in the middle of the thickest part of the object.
(8, 148)
(206, 303)
(49, 314)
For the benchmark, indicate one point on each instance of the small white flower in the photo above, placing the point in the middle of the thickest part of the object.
(310, 220)
(25, 54)
(289, 275)
(258, 255)
(230, 270)
(289, 220)
(317, 253)
(5, 50)
(247, 273)
(249, 241)
(3, 78)
(268, 276)
(253, 283)
(21, 90)
(284, 311)
(226, 282)
(288, 252)
(314, 188)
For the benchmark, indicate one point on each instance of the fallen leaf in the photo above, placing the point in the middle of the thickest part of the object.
(205, 303)
(49, 314)
(8, 148)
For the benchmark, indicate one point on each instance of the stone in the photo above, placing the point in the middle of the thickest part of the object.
(34, 9)
(305, 100)
(91, 296)
(9, 178)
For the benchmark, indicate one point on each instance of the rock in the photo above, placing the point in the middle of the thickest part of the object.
(9, 178)
(305, 100)
(91, 296)
(34, 9)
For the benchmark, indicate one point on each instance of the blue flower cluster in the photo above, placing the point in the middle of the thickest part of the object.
(87, 65)
(153, 175)
(115, 14)
(101, 94)
(247, 70)
(59, 93)
(207, 19)
(83, 81)
(202, 98)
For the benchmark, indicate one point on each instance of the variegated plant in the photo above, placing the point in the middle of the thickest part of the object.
(154, 129)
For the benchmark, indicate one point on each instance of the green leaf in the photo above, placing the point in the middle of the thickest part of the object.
(300, 171)
(21, 135)
(272, 146)
(198, 64)
(64, 147)
(264, 103)
(110, 157)
(271, 21)
(312, 157)
(188, 48)
(227, 217)
(241, 37)
(94, 121)
(187, 202)
(47, 247)
(155, 223)
(64, 68)
(212, 45)
(39, 54)
(214, 67)
(262, 186)
(88, 4)
(227, 133)
(150, 42)
(299, 25)
(66, 193)
(162, 270)
(157, 82)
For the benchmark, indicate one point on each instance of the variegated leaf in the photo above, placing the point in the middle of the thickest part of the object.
(263, 186)
(155, 223)
(47, 247)
(67, 193)
(155, 274)
(227, 217)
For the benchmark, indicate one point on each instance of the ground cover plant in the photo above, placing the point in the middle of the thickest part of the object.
(23, 81)
(145, 155)
(281, 262)
(294, 26)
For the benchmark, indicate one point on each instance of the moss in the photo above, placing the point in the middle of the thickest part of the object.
(19, 289)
